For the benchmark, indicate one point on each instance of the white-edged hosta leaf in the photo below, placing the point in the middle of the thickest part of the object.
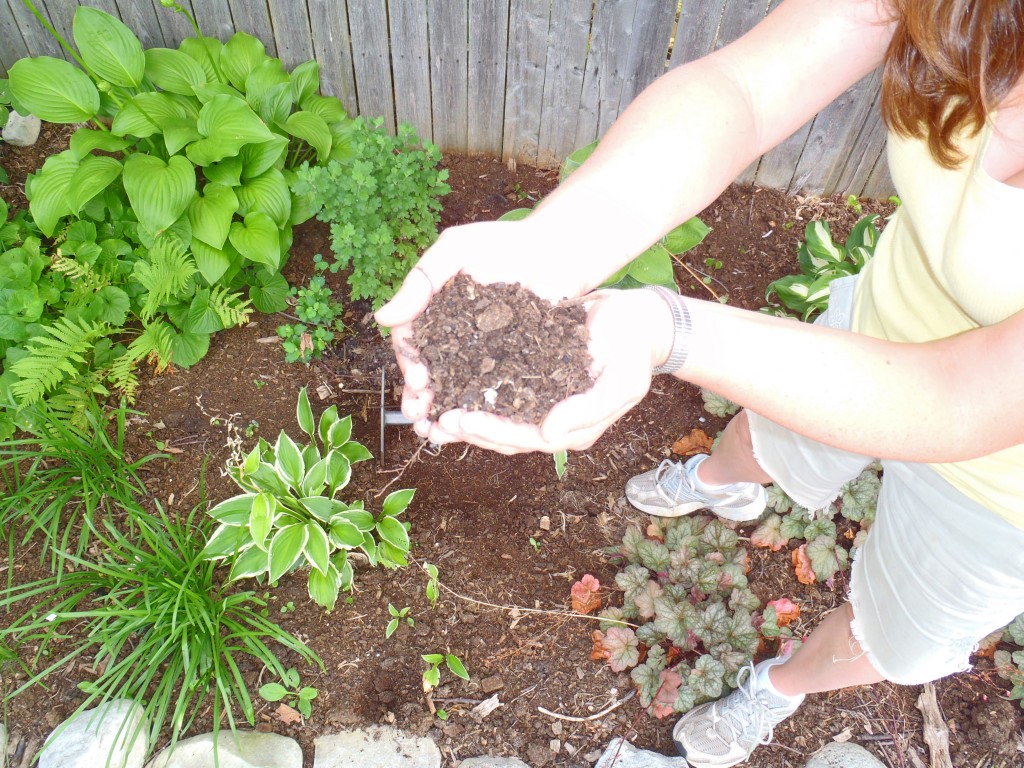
(327, 419)
(315, 479)
(345, 535)
(233, 511)
(172, 70)
(360, 518)
(159, 192)
(226, 540)
(391, 556)
(339, 471)
(322, 508)
(304, 414)
(455, 666)
(250, 563)
(94, 174)
(324, 588)
(108, 47)
(261, 521)
(53, 90)
(210, 214)
(286, 549)
(289, 460)
(317, 548)
(355, 452)
(397, 501)
(393, 532)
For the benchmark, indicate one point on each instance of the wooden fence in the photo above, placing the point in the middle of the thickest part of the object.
(526, 79)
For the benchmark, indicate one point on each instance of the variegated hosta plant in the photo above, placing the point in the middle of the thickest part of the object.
(290, 515)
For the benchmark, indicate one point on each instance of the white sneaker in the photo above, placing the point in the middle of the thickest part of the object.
(671, 491)
(723, 733)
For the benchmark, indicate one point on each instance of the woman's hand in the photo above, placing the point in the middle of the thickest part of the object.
(490, 252)
(630, 333)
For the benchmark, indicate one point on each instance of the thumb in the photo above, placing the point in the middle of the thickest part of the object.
(410, 301)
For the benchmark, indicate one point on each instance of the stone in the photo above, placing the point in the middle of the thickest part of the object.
(622, 754)
(843, 755)
(486, 761)
(375, 747)
(21, 130)
(87, 739)
(244, 749)
(491, 684)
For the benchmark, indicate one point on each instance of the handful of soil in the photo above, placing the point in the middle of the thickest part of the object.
(500, 348)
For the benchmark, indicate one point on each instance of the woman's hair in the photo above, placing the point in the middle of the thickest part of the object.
(949, 64)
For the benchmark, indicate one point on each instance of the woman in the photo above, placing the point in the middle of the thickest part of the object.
(929, 377)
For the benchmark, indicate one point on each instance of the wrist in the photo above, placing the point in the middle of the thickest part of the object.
(671, 356)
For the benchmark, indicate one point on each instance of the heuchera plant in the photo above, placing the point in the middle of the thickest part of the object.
(290, 517)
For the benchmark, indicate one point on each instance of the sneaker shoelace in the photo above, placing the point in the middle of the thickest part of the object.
(743, 713)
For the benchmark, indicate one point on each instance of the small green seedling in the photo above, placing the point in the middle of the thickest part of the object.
(397, 616)
(432, 677)
(288, 607)
(291, 693)
(433, 589)
(561, 462)
(854, 204)
(535, 544)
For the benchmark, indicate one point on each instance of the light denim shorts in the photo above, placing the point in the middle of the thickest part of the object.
(938, 571)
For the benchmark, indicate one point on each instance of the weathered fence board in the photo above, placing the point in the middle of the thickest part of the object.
(488, 41)
(530, 80)
(410, 66)
(568, 36)
(333, 48)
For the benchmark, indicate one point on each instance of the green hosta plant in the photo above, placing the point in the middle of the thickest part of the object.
(291, 693)
(822, 260)
(432, 677)
(383, 204)
(201, 142)
(686, 598)
(653, 266)
(289, 516)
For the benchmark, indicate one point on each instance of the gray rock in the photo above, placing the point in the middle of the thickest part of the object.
(622, 754)
(486, 761)
(87, 739)
(375, 747)
(251, 749)
(843, 755)
(21, 130)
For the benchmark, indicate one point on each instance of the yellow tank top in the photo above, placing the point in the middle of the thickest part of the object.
(946, 264)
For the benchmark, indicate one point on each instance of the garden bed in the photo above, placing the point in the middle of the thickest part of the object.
(508, 537)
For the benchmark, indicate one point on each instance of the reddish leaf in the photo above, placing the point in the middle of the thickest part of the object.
(287, 715)
(785, 610)
(598, 653)
(695, 442)
(802, 566)
(622, 647)
(585, 597)
(664, 701)
(769, 534)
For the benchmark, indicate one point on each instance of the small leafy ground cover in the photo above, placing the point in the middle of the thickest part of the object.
(474, 516)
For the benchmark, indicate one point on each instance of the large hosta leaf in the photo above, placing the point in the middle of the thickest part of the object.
(240, 56)
(305, 80)
(108, 47)
(53, 90)
(268, 193)
(212, 263)
(228, 123)
(174, 71)
(85, 140)
(258, 158)
(93, 176)
(147, 113)
(159, 192)
(210, 214)
(257, 239)
(313, 129)
(47, 190)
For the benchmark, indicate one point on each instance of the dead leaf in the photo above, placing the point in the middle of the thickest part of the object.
(598, 653)
(695, 442)
(286, 714)
(305, 344)
(802, 566)
(785, 611)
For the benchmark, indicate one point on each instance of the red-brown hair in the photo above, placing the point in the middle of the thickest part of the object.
(949, 64)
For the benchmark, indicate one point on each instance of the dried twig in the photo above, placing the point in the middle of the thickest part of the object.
(595, 716)
(696, 277)
(936, 732)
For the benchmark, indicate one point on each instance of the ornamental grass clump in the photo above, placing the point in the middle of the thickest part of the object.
(289, 516)
(148, 620)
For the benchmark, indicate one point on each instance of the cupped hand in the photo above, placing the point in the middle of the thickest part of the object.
(489, 252)
(630, 333)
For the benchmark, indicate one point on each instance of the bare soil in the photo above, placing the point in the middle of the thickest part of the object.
(508, 538)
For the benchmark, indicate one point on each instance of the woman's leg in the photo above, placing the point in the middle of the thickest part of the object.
(830, 658)
(733, 461)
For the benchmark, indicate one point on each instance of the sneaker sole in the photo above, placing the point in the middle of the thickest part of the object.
(658, 511)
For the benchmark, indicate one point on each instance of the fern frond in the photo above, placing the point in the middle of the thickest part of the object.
(231, 308)
(154, 345)
(76, 400)
(165, 274)
(76, 270)
(52, 358)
